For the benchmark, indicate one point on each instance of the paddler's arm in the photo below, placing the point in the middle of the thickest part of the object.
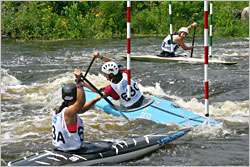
(192, 25)
(88, 86)
(179, 40)
(92, 89)
(97, 55)
(89, 104)
(79, 104)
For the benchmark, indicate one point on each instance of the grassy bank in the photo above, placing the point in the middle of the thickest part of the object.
(50, 20)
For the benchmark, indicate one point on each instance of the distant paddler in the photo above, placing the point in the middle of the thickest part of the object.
(177, 42)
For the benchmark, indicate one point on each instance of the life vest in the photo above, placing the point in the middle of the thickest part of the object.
(62, 138)
(166, 44)
(121, 90)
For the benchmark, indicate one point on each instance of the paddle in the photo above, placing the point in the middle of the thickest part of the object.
(89, 67)
(193, 42)
(195, 15)
(100, 93)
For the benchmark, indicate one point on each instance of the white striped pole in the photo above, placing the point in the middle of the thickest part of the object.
(128, 49)
(171, 27)
(206, 56)
(210, 29)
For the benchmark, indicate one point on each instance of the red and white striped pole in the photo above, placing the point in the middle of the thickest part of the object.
(128, 49)
(206, 56)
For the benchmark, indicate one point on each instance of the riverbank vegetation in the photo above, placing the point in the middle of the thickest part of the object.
(48, 20)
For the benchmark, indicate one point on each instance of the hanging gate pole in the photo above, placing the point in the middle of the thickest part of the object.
(128, 50)
(206, 56)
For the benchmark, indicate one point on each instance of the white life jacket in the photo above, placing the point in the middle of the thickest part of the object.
(121, 90)
(166, 44)
(62, 138)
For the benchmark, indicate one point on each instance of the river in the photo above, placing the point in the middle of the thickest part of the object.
(32, 72)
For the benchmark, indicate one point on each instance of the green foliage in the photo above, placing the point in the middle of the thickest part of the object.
(50, 20)
(227, 22)
(110, 19)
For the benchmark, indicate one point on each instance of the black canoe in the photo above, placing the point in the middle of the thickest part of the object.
(101, 152)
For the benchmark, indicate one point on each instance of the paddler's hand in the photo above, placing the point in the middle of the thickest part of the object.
(97, 55)
(194, 24)
(191, 47)
(78, 73)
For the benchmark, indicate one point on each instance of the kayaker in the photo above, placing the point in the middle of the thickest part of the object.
(177, 42)
(67, 126)
(118, 88)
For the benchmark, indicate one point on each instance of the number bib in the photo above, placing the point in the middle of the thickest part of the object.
(62, 138)
(166, 44)
(121, 90)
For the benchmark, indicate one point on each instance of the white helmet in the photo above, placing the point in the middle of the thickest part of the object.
(110, 67)
(184, 29)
